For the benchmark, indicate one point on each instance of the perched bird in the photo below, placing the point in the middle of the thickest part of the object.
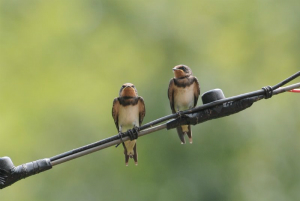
(183, 94)
(128, 111)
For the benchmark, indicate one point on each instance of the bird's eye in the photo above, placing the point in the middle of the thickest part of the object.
(182, 68)
(133, 86)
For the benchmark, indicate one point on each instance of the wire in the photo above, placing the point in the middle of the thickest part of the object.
(295, 90)
(286, 80)
(287, 88)
(151, 126)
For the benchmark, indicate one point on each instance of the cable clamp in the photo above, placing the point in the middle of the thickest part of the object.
(133, 133)
(268, 92)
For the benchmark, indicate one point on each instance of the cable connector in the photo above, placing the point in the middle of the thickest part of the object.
(133, 133)
(10, 174)
(268, 92)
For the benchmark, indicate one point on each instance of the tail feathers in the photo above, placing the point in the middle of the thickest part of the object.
(180, 134)
(134, 156)
(185, 129)
(189, 134)
(126, 159)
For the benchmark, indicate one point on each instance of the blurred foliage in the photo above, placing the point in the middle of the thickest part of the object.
(63, 62)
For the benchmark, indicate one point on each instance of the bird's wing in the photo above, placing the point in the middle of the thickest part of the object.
(171, 94)
(142, 110)
(115, 111)
(196, 91)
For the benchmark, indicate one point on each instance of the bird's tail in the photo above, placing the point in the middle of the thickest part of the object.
(134, 155)
(180, 134)
(189, 134)
(184, 129)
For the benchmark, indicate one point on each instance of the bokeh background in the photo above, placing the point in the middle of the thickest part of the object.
(63, 62)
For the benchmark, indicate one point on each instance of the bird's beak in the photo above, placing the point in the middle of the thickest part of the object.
(129, 87)
(174, 69)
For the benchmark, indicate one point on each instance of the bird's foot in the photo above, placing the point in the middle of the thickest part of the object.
(120, 136)
(179, 114)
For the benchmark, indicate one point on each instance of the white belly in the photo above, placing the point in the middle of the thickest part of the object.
(184, 98)
(128, 117)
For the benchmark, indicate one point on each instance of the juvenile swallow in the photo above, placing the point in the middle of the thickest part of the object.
(128, 111)
(183, 93)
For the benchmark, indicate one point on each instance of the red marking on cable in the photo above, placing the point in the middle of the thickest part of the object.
(295, 90)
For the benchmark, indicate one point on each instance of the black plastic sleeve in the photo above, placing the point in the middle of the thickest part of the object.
(10, 174)
(214, 112)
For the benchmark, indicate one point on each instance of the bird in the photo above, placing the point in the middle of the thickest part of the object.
(183, 94)
(128, 112)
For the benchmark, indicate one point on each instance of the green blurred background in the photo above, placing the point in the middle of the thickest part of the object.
(63, 62)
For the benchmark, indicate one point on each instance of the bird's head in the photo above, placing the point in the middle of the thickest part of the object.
(181, 71)
(128, 90)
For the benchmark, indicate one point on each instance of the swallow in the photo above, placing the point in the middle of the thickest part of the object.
(128, 111)
(183, 94)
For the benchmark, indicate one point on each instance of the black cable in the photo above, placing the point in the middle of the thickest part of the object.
(9, 174)
(286, 80)
(246, 95)
(132, 134)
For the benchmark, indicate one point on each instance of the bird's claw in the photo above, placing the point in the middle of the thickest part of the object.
(179, 113)
(120, 135)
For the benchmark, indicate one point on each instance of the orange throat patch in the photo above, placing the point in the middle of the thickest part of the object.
(179, 73)
(128, 91)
